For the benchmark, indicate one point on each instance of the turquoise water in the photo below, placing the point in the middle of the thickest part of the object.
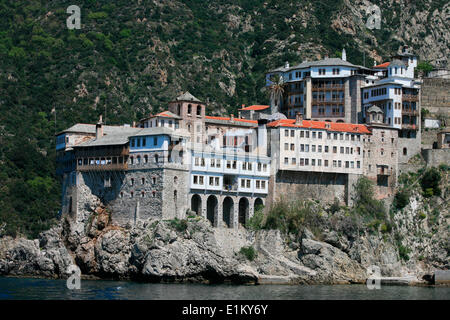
(30, 288)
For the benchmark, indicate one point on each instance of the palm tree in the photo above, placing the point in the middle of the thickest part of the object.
(276, 90)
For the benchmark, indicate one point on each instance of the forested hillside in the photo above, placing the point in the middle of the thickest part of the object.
(131, 57)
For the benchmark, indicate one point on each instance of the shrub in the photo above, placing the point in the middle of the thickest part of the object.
(249, 252)
(403, 252)
(179, 225)
(401, 199)
(256, 222)
(430, 182)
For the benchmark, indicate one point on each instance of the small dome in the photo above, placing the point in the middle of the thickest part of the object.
(276, 116)
(375, 109)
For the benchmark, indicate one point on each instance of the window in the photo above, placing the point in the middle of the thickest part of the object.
(242, 183)
(142, 180)
(155, 141)
(319, 162)
(217, 181)
(292, 133)
(199, 110)
(189, 110)
(334, 149)
(319, 148)
(153, 180)
(211, 181)
(263, 184)
(292, 147)
(195, 179)
(142, 194)
(320, 135)
(326, 163)
(132, 181)
(326, 149)
(286, 133)
(294, 161)
(131, 194)
(286, 146)
(286, 160)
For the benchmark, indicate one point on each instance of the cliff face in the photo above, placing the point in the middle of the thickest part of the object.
(191, 250)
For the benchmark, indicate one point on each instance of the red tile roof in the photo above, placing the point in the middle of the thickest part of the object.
(334, 126)
(383, 65)
(255, 108)
(228, 119)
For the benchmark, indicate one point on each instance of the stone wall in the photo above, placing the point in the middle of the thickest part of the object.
(435, 157)
(436, 96)
(381, 159)
(311, 185)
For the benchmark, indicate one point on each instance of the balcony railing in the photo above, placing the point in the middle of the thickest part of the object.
(230, 187)
(103, 167)
(409, 126)
(328, 102)
(410, 112)
(410, 97)
(328, 87)
(319, 115)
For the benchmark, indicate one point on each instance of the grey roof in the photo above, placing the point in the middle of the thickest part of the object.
(187, 97)
(159, 131)
(397, 63)
(229, 122)
(120, 135)
(90, 129)
(374, 108)
(318, 63)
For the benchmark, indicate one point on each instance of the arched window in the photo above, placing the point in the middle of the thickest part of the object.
(138, 159)
(175, 180)
(179, 109)
(199, 110)
(189, 110)
(156, 158)
(405, 151)
(145, 159)
(131, 160)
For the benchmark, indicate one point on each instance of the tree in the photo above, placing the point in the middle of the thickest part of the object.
(276, 90)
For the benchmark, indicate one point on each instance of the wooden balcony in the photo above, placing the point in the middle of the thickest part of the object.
(327, 102)
(384, 171)
(410, 97)
(409, 126)
(328, 87)
(410, 112)
(103, 167)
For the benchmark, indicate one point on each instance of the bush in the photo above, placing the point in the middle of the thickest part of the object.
(248, 252)
(256, 222)
(403, 252)
(401, 199)
(179, 225)
(430, 183)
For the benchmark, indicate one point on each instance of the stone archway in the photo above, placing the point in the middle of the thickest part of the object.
(196, 204)
(211, 208)
(227, 211)
(243, 210)
(259, 204)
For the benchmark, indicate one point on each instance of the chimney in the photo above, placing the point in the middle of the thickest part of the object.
(239, 115)
(99, 128)
(286, 64)
(326, 56)
(298, 119)
(232, 117)
(344, 55)
(134, 124)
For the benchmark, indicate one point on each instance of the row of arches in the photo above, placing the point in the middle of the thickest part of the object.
(228, 210)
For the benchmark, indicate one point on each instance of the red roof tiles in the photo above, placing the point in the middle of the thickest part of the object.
(333, 126)
(383, 65)
(255, 108)
(228, 119)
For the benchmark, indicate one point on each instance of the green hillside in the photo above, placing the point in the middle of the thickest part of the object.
(131, 57)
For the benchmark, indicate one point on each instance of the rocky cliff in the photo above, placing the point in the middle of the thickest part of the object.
(191, 250)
